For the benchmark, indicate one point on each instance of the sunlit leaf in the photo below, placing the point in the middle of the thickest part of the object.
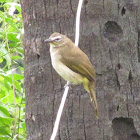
(3, 131)
(1, 59)
(12, 37)
(3, 112)
(17, 85)
(1, 78)
(7, 55)
(18, 7)
(15, 57)
(6, 121)
(17, 76)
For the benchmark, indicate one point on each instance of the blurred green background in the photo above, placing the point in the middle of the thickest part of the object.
(12, 96)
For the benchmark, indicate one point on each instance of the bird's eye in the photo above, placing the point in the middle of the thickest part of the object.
(58, 40)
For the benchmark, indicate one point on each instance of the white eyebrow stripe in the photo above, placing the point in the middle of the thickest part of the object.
(57, 37)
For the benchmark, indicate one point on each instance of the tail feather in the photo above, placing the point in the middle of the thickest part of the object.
(91, 87)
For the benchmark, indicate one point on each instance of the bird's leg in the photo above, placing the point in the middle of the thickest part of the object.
(68, 84)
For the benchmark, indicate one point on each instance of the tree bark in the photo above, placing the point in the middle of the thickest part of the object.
(110, 36)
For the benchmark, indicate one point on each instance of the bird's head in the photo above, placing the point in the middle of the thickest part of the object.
(57, 40)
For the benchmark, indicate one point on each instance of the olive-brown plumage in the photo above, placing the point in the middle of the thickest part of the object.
(72, 64)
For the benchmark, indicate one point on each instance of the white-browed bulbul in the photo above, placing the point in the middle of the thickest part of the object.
(72, 64)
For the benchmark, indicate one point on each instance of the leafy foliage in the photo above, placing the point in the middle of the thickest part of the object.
(12, 97)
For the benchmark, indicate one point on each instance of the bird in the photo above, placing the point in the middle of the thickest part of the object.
(72, 64)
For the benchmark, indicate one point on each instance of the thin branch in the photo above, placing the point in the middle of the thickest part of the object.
(14, 94)
(7, 23)
(6, 53)
(60, 110)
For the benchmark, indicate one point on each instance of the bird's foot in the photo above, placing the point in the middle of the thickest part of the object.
(68, 84)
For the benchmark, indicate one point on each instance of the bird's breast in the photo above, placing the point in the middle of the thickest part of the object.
(65, 72)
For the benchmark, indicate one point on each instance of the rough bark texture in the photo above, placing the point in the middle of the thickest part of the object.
(110, 36)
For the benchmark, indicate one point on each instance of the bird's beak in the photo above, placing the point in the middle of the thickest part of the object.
(48, 40)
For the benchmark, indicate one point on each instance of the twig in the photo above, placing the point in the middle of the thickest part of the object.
(7, 23)
(60, 110)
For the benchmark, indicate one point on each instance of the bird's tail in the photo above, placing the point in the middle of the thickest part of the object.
(91, 87)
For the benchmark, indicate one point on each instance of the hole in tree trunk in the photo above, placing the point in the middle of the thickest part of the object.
(124, 129)
(112, 31)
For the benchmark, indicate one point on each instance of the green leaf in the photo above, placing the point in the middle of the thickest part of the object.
(20, 50)
(18, 7)
(24, 125)
(5, 132)
(1, 78)
(7, 122)
(2, 94)
(8, 79)
(12, 37)
(17, 76)
(1, 59)
(7, 85)
(4, 112)
(7, 55)
(15, 57)
(17, 85)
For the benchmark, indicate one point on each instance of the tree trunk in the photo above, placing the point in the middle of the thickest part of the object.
(110, 36)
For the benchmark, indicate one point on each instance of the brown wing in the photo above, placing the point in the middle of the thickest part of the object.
(79, 63)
